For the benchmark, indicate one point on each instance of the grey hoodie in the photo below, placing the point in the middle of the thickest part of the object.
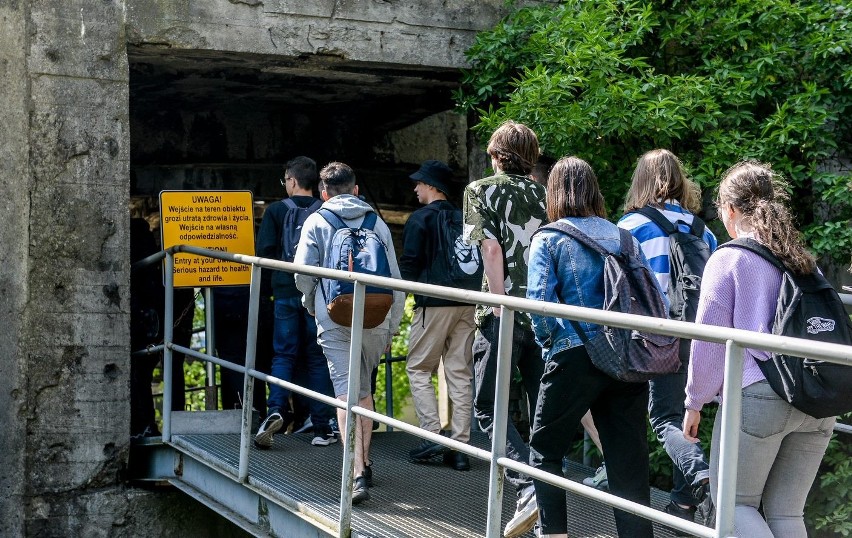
(316, 238)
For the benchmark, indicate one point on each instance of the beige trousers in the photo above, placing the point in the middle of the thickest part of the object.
(442, 333)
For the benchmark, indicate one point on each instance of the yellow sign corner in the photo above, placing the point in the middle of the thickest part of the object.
(216, 220)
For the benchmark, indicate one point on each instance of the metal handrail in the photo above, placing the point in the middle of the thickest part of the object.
(734, 339)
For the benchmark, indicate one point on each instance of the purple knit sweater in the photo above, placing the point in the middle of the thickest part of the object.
(739, 289)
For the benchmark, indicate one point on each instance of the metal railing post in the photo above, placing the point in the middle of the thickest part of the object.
(211, 396)
(731, 409)
(168, 334)
(354, 387)
(389, 386)
(500, 424)
(248, 380)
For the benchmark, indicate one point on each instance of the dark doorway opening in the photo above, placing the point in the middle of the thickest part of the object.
(204, 120)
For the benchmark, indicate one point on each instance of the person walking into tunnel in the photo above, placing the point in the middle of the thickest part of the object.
(658, 213)
(501, 212)
(564, 270)
(441, 330)
(780, 447)
(295, 348)
(342, 208)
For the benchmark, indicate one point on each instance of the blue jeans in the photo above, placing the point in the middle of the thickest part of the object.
(295, 346)
(665, 409)
(526, 356)
(779, 454)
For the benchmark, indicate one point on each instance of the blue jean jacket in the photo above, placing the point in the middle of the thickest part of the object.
(562, 270)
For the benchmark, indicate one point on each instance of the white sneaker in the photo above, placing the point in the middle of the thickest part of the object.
(272, 424)
(599, 480)
(324, 439)
(526, 514)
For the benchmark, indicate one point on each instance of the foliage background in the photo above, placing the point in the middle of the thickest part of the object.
(715, 81)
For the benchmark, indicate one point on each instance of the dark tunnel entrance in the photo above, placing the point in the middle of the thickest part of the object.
(201, 120)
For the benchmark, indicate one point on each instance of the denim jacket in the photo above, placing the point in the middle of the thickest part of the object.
(562, 270)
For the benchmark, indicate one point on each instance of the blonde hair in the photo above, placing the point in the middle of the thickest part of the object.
(515, 148)
(760, 194)
(660, 176)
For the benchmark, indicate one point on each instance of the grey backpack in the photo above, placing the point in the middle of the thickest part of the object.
(631, 288)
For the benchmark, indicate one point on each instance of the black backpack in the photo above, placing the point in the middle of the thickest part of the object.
(291, 228)
(454, 263)
(808, 307)
(631, 288)
(688, 254)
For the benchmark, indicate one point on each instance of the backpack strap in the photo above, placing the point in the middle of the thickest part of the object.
(752, 245)
(576, 234)
(657, 218)
(290, 203)
(369, 221)
(696, 228)
(332, 218)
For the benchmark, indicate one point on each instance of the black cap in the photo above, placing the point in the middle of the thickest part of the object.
(434, 173)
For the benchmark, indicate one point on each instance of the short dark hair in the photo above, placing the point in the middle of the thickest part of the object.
(542, 168)
(303, 170)
(572, 190)
(337, 178)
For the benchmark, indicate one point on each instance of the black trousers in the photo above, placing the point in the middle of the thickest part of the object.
(526, 356)
(570, 386)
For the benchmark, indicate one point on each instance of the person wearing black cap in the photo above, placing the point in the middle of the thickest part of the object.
(441, 330)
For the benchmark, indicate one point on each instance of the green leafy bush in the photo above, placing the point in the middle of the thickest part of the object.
(399, 380)
(714, 81)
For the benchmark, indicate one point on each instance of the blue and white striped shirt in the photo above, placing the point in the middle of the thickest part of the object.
(654, 241)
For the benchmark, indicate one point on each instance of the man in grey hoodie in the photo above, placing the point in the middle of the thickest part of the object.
(340, 196)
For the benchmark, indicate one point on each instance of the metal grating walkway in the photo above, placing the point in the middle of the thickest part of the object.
(408, 500)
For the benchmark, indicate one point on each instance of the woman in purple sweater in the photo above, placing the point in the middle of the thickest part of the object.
(780, 447)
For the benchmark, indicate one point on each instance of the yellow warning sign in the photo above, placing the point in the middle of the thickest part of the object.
(218, 220)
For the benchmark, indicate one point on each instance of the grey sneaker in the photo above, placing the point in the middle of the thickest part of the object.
(272, 424)
(526, 514)
(599, 480)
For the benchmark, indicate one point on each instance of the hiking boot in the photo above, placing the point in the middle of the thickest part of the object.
(684, 513)
(599, 480)
(706, 510)
(425, 451)
(272, 424)
(360, 491)
(323, 437)
(526, 514)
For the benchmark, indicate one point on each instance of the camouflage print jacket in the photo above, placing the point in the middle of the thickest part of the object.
(508, 208)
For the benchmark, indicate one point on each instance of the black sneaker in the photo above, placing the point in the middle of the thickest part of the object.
(684, 513)
(273, 423)
(426, 450)
(360, 490)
